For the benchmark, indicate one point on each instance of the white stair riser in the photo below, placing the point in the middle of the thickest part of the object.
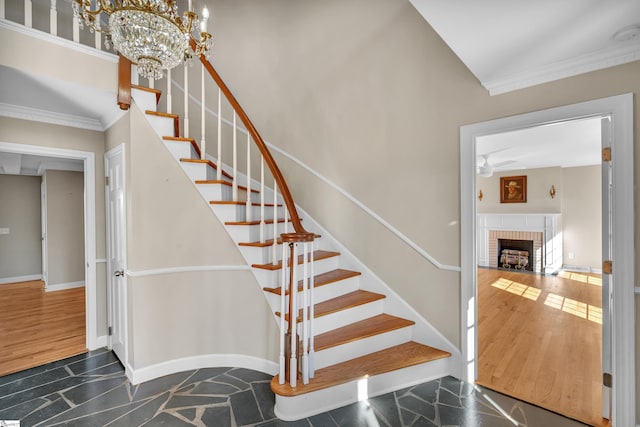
(260, 255)
(198, 171)
(362, 347)
(267, 278)
(309, 404)
(162, 125)
(145, 100)
(342, 318)
(181, 150)
(238, 212)
(251, 233)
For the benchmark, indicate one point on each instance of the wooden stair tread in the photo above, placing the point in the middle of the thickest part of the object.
(317, 256)
(231, 202)
(256, 222)
(227, 183)
(266, 243)
(322, 279)
(359, 330)
(343, 302)
(161, 114)
(157, 92)
(388, 360)
(207, 162)
(181, 139)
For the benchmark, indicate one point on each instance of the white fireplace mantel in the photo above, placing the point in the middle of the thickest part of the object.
(550, 225)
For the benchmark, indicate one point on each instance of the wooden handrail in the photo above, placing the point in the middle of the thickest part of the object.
(257, 139)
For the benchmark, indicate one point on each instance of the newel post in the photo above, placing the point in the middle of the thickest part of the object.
(124, 83)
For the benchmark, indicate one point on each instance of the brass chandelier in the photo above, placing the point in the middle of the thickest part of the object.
(150, 33)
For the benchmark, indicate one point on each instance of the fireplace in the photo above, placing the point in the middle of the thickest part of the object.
(516, 254)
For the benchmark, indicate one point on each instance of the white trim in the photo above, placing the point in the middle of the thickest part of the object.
(63, 286)
(333, 185)
(89, 224)
(609, 57)
(137, 376)
(44, 116)
(620, 108)
(185, 269)
(101, 260)
(28, 278)
(87, 50)
(102, 341)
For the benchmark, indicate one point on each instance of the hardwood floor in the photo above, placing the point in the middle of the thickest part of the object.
(38, 327)
(540, 340)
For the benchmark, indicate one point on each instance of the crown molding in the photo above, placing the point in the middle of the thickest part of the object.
(44, 116)
(562, 69)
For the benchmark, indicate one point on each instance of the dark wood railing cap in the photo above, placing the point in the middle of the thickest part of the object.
(297, 237)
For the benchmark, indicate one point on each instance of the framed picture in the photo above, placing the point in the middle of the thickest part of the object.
(513, 189)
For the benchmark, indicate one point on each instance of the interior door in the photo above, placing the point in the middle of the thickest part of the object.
(116, 247)
(607, 279)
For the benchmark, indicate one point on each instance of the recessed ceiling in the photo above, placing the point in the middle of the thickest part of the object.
(510, 44)
(28, 164)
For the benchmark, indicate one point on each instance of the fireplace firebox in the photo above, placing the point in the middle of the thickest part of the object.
(515, 254)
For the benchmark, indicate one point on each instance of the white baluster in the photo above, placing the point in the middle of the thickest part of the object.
(53, 19)
(28, 14)
(152, 83)
(98, 36)
(305, 319)
(185, 131)
(169, 99)
(261, 199)
(203, 143)
(311, 313)
(234, 183)
(283, 331)
(76, 30)
(219, 177)
(1, 9)
(275, 224)
(249, 215)
(286, 220)
(293, 312)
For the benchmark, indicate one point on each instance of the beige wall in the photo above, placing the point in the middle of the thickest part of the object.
(170, 225)
(65, 226)
(582, 216)
(578, 193)
(20, 212)
(34, 133)
(365, 93)
(539, 181)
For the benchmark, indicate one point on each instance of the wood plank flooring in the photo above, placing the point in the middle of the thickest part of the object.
(37, 327)
(540, 340)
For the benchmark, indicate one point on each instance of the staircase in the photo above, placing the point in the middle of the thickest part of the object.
(361, 350)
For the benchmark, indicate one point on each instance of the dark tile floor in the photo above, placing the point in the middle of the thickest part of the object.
(92, 390)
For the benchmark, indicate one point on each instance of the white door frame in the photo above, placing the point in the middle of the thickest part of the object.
(43, 231)
(120, 149)
(623, 281)
(92, 340)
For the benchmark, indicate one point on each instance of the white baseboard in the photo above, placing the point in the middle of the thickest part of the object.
(579, 269)
(137, 376)
(4, 281)
(101, 341)
(61, 286)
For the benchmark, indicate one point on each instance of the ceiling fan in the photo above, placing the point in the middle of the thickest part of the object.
(486, 169)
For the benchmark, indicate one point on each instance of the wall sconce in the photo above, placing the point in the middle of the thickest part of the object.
(552, 192)
(480, 195)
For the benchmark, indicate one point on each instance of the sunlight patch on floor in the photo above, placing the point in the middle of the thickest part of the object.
(581, 277)
(577, 308)
(516, 288)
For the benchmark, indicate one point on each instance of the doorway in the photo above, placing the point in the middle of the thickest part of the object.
(620, 109)
(93, 341)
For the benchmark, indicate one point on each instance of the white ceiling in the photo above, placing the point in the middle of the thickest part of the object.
(28, 164)
(510, 44)
(565, 144)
